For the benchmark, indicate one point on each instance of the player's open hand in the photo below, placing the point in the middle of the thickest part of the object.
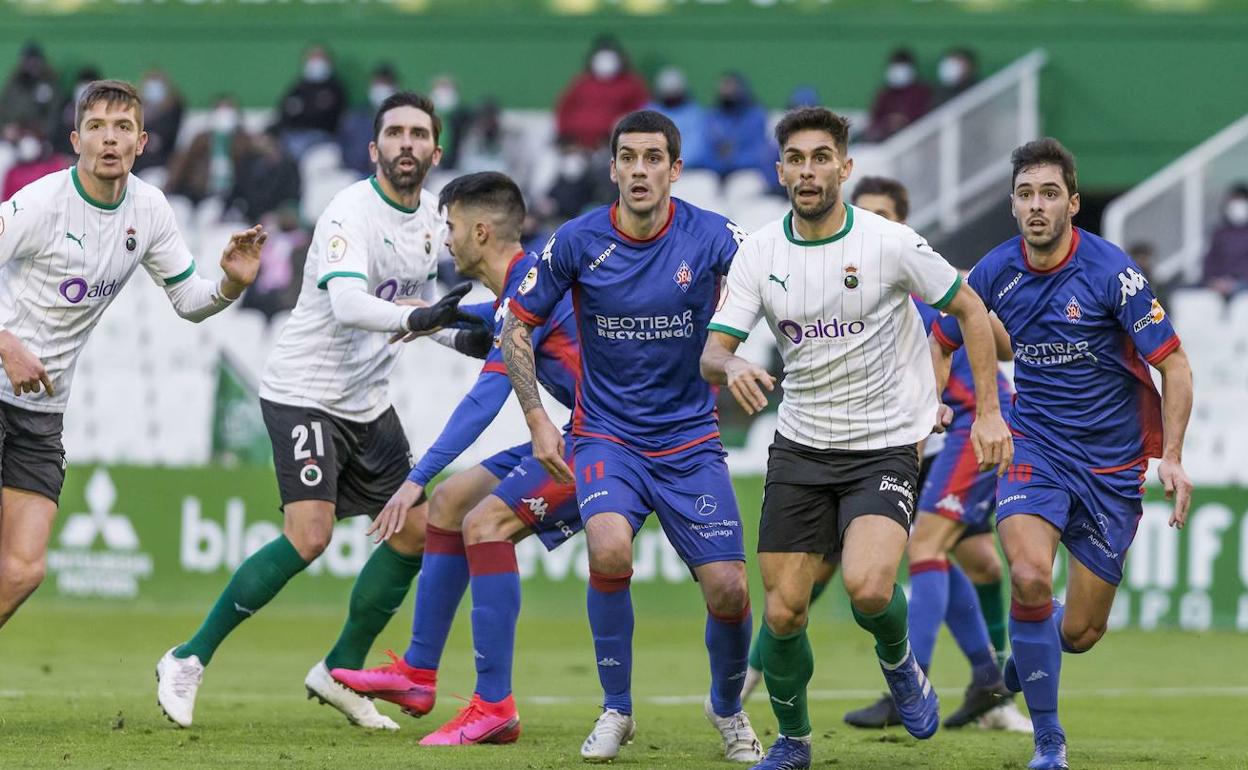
(993, 445)
(392, 517)
(746, 382)
(548, 448)
(944, 416)
(241, 259)
(1178, 488)
(26, 372)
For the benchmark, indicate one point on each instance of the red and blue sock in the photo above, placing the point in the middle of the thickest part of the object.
(1037, 648)
(495, 581)
(728, 646)
(929, 598)
(969, 630)
(443, 581)
(610, 606)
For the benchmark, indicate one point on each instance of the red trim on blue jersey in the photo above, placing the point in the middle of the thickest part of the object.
(507, 275)
(1165, 349)
(578, 416)
(525, 316)
(671, 216)
(929, 565)
(495, 366)
(558, 345)
(960, 392)
(660, 453)
(1139, 461)
(943, 339)
(1074, 244)
(493, 558)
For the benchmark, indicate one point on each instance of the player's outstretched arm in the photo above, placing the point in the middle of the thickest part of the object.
(517, 343)
(1176, 409)
(990, 436)
(721, 366)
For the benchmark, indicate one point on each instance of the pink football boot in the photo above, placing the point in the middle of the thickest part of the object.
(479, 722)
(413, 689)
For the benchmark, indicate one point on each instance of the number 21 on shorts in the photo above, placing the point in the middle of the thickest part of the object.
(300, 436)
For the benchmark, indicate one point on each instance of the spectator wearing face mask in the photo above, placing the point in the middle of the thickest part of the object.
(208, 166)
(281, 262)
(65, 114)
(902, 100)
(736, 129)
(1226, 263)
(672, 98)
(310, 111)
(574, 188)
(357, 124)
(162, 119)
(31, 95)
(957, 71)
(606, 90)
(457, 119)
(35, 159)
(266, 177)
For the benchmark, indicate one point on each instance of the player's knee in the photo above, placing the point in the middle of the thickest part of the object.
(20, 578)
(445, 507)
(1031, 584)
(869, 592)
(491, 521)
(729, 598)
(310, 541)
(610, 559)
(784, 618)
(982, 571)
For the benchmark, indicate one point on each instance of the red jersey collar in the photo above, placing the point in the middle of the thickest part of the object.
(671, 215)
(507, 276)
(1074, 246)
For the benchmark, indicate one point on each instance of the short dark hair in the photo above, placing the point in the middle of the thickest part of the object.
(648, 122)
(1045, 152)
(407, 99)
(112, 92)
(489, 190)
(817, 119)
(882, 185)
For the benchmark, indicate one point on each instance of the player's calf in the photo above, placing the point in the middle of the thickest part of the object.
(18, 580)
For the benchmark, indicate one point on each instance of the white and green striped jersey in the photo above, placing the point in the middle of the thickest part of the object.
(857, 371)
(63, 259)
(321, 363)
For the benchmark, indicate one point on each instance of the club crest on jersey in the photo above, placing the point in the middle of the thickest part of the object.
(684, 276)
(530, 280)
(337, 249)
(1074, 313)
(851, 277)
(131, 242)
(428, 243)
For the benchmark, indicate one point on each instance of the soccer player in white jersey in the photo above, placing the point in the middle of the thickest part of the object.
(69, 242)
(338, 446)
(834, 284)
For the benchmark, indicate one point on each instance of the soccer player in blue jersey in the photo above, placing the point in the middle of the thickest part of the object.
(644, 274)
(1085, 327)
(477, 515)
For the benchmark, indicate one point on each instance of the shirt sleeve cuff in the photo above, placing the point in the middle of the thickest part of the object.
(728, 330)
(1166, 348)
(528, 318)
(943, 339)
(949, 295)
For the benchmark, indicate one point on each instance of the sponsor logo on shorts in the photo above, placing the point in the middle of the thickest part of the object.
(890, 483)
(587, 500)
(706, 505)
(951, 503)
(1094, 537)
(1011, 499)
(311, 475)
(713, 529)
(537, 506)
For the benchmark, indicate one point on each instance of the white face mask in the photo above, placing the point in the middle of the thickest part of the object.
(317, 69)
(606, 64)
(951, 71)
(572, 165)
(444, 98)
(899, 75)
(29, 148)
(224, 120)
(154, 91)
(1236, 211)
(378, 93)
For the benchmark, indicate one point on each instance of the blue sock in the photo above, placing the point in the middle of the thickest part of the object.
(969, 630)
(610, 606)
(929, 596)
(1038, 658)
(443, 581)
(1059, 612)
(495, 607)
(728, 645)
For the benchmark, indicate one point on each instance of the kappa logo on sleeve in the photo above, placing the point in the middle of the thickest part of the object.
(1132, 283)
(337, 249)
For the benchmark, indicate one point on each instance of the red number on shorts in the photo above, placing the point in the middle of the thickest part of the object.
(594, 471)
(1019, 473)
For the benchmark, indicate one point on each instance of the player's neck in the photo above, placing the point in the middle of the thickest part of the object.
(1048, 258)
(494, 272)
(107, 192)
(643, 227)
(409, 200)
(825, 226)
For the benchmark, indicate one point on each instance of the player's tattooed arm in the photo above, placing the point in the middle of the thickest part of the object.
(548, 444)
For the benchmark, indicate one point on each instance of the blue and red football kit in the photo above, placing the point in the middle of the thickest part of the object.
(1087, 416)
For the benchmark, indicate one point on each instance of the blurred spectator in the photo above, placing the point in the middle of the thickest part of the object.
(574, 188)
(35, 159)
(1144, 254)
(803, 96)
(66, 114)
(481, 145)
(30, 96)
(672, 98)
(310, 111)
(1226, 263)
(267, 177)
(281, 262)
(208, 166)
(456, 118)
(606, 90)
(357, 125)
(736, 129)
(162, 118)
(902, 100)
(958, 70)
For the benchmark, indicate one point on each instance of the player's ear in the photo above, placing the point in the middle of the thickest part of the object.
(482, 232)
(437, 155)
(676, 169)
(615, 178)
(847, 168)
(780, 173)
(142, 143)
(373, 155)
(1074, 204)
(75, 141)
